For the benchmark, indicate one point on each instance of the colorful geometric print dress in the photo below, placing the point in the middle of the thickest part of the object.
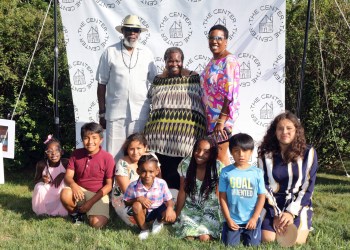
(177, 117)
(199, 216)
(220, 79)
(123, 169)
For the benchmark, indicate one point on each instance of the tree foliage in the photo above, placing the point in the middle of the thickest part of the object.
(327, 73)
(20, 23)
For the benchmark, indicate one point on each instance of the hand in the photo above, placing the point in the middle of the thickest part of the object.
(85, 207)
(46, 179)
(170, 215)
(57, 181)
(251, 224)
(103, 122)
(285, 219)
(232, 225)
(220, 132)
(145, 202)
(78, 194)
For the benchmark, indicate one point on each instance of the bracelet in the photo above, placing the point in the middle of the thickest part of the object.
(291, 214)
(220, 121)
(101, 115)
(223, 114)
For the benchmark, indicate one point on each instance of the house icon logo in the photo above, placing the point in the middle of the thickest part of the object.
(149, 2)
(245, 72)
(266, 112)
(266, 25)
(92, 35)
(175, 30)
(79, 77)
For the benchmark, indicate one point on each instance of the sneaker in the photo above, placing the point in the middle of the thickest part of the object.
(77, 218)
(157, 226)
(144, 234)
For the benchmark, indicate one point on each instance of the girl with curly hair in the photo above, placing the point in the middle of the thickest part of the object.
(197, 205)
(290, 167)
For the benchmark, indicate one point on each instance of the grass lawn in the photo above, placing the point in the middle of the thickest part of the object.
(21, 229)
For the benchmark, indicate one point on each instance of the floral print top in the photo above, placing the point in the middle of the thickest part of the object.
(220, 79)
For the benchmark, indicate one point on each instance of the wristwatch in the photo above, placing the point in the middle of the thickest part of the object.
(101, 115)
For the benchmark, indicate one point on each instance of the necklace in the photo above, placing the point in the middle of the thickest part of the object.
(137, 58)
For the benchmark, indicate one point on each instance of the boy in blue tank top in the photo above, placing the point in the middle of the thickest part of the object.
(241, 195)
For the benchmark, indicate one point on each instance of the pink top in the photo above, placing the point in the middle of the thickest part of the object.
(220, 79)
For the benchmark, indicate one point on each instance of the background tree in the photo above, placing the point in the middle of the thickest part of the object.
(20, 22)
(327, 74)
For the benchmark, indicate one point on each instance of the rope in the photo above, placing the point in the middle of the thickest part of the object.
(31, 60)
(324, 79)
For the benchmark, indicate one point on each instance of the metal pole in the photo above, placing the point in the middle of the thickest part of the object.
(302, 73)
(57, 119)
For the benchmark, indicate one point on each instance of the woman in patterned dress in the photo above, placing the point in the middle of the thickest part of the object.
(197, 206)
(177, 116)
(220, 82)
(290, 167)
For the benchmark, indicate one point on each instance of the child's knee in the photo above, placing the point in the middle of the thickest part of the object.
(137, 207)
(66, 196)
(97, 221)
(204, 237)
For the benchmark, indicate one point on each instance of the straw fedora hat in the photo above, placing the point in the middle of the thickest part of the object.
(130, 21)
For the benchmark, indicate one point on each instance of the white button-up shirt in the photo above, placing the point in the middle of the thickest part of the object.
(128, 78)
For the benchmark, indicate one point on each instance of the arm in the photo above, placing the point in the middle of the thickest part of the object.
(123, 182)
(39, 171)
(170, 215)
(181, 197)
(257, 211)
(225, 211)
(101, 96)
(100, 193)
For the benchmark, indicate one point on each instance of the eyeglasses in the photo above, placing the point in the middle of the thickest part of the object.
(216, 38)
(50, 152)
(132, 30)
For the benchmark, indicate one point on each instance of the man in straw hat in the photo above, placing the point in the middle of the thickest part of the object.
(124, 74)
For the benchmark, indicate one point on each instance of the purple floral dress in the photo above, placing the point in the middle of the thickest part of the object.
(220, 79)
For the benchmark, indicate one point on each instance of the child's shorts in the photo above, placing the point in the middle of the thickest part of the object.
(156, 213)
(249, 237)
(101, 207)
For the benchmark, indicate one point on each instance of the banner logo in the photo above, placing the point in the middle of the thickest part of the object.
(266, 23)
(66, 35)
(264, 108)
(82, 76)
(279, 69)
(176, 29)
(93, 34)
(223, 17)
(144, 36)
(160, 64)
(109, 4)
(197, 63)
(150, 2)
(76, 113)
(250, 69)
(69, 5)
(93, 112)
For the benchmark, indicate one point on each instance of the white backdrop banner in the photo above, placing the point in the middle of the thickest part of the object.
(256, 37)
